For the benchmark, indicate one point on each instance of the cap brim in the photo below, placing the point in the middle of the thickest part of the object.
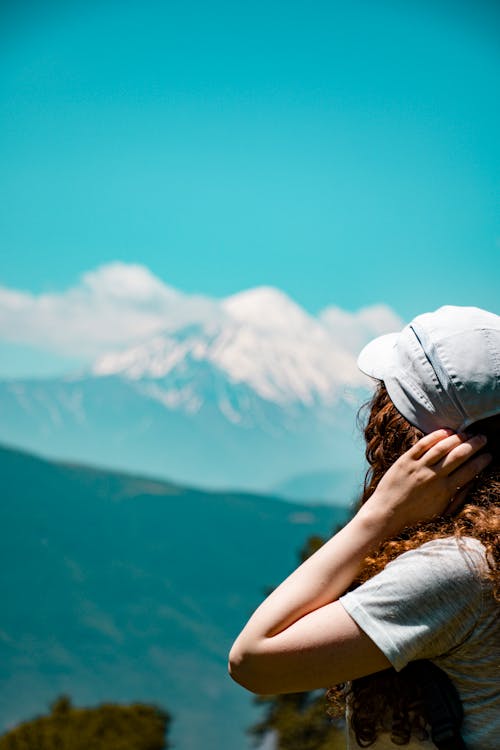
(377, 357)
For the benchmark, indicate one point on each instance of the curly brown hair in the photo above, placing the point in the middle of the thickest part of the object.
(392, 694)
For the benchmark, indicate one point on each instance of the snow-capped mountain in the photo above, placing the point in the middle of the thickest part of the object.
(264, 342)
(244, 392)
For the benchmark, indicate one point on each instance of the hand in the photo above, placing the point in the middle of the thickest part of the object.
(429, 480)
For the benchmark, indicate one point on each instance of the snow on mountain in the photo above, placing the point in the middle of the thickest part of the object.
(262, 339)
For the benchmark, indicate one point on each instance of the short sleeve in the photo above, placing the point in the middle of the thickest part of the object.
(423, 604)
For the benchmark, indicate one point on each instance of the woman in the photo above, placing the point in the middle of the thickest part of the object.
(421, 555)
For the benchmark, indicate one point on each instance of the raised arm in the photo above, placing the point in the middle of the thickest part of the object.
(300, 637)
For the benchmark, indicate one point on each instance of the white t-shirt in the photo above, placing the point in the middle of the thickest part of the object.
(435, 603)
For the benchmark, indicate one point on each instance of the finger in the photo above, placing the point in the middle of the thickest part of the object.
(458, 500)
(424, 444)
(461, 453)
(468, 471)
(439, 450)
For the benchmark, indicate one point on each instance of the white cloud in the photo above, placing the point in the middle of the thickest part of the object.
(112, 307)
(118, 306)
(128, 283)
(353, 330)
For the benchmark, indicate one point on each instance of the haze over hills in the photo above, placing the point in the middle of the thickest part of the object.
(125, 588)
(245, 392)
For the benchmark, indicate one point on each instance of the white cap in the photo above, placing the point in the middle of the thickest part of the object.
(442, 369)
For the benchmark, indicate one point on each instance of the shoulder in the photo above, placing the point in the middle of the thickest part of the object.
(464, 557)
(451, 568)
(423, 603)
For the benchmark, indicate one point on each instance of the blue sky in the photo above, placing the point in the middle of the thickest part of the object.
(347, 153)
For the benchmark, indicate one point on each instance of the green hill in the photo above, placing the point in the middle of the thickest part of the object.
(123, 588)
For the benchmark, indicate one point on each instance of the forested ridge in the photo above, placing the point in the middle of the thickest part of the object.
(125, 588)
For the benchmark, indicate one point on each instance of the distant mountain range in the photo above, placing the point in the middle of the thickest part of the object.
(125, 588)
(247, 392)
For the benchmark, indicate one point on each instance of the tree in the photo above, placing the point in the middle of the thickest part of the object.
(299, 721)
(106, 727)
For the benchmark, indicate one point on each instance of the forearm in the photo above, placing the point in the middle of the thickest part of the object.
(321, 579)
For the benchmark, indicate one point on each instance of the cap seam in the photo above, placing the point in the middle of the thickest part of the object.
(440, 372)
